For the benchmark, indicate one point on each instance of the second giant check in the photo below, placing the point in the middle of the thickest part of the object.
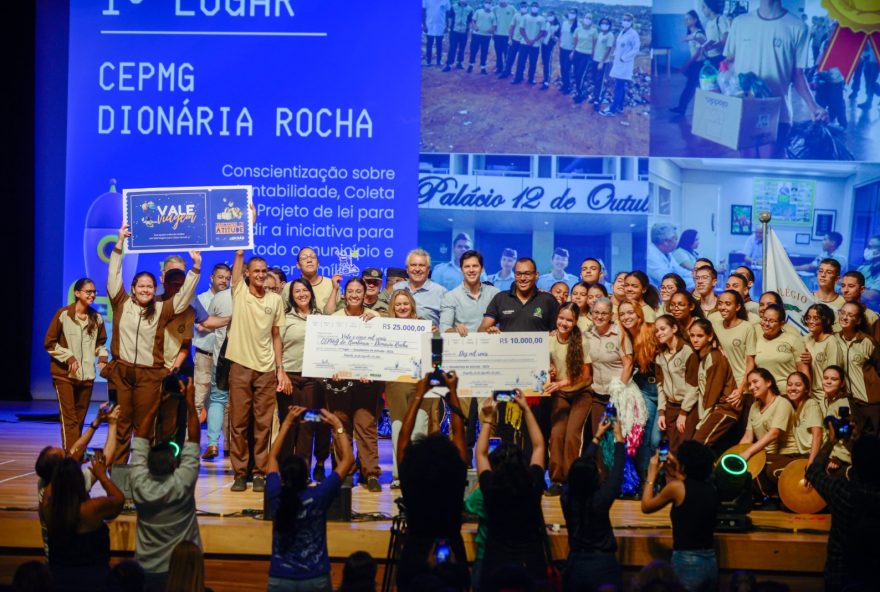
(393, 350)
(487, 362)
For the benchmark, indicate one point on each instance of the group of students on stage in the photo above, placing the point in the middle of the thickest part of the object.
(718, 368)
(588, 53)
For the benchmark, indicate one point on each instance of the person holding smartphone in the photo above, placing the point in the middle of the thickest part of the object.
(694, 507)
(586, 505)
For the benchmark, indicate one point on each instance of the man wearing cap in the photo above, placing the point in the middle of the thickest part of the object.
(503, 280)
(393, 275)
(558, 263)
(448, 274)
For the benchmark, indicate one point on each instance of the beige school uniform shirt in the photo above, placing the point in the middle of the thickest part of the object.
(178, 332)
(585, 323)
(737, 343)
(650, 313)
(558, 355)
(604, 42)
(824, 353)
(772, 49)
(322, 290)
(779, 356)
(606, 353)
(672, 385)
(861, 359)
(293, 340)
(533, 25)
(775, 415)
(840, 451)
(799, 438)
(517, 23)
(483, 21)
(585, 39)
(250, 333)
(504, 17)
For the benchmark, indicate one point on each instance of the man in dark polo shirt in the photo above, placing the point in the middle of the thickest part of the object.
(522, 308)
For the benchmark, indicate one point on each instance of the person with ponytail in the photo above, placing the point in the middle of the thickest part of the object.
(138, 342)
(676, 399)
(861, 357)
(570, 377)
(75, 341)
(709, 371)
(299, 524)
(640, 292)
(685, 309)
(769, 415)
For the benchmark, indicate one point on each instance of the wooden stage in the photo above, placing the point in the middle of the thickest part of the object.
(783, 546)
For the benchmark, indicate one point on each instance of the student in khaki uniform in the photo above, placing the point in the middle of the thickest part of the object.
(827, 276)
(567, 29)
(532, 34)
(504, 14)
(777, 351)
(774, 44)
(676, 399)
(552, 27)
(740, 283)
(257, 371)
(584, 41)
(768, 298)
(821, 348)
(852, 286)
(138, 342)
(834, 387)
(483, 25)
(515, 39)
(178, 342)
(570, 378)
(705, 280)
(602, 51)
(355, 401)
(805, 432)
(709, 371)
(737, 337)
(639, 292)
(611, 355)
(303, 437)
(75, 341)
(861, 357)
(685, 309)
(579, 295)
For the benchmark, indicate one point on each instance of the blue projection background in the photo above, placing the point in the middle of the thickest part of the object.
(314, 102)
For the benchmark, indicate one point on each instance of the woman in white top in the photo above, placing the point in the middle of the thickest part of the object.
(625, 51)
(716, 29)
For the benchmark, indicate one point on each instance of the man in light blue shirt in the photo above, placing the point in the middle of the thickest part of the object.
(203, 339)
(558, 262)
(463, 307)
(448, 274)
(427, 294)
(503, 280)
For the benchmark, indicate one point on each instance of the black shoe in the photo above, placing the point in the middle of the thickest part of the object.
(470, 68)
(516, 81)
(483, 70)
(579, 99)
(458, 66)
(503, 75)
(447, 68)
(259, 484)
(374, 485)
(318, 473)
(554, 490)
(532, 82)
(240, 484)
(545, 85)
(678, 110)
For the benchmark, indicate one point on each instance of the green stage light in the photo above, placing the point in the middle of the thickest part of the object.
(734, 464)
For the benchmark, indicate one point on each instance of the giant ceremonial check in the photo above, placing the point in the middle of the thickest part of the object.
(393, 350)
(487, 362)
(182, 218)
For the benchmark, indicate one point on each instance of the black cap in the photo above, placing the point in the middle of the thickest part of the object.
(371, 273)
(396, 272)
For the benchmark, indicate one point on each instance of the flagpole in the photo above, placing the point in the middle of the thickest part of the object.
(764, 217)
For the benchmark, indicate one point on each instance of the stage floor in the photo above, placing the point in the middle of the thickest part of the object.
(781, 542)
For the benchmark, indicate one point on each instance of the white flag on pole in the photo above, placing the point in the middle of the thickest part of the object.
(781, 277)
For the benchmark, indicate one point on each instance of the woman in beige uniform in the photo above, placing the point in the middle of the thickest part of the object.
(836, 400)
(138, 342)
(736, 335)
(399, 394)
(805, 433)
(75, 341)
(580, 296)
(676, 399)
(354, 401)
(777, 351)
(641, 293)
(861, 358)
(822, 349)
(710, 372)
(611, 353)
(571, 376)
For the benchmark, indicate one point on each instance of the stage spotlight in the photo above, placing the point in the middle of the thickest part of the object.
(734, 484)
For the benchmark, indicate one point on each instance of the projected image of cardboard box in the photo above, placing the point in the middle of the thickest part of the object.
(733, 121)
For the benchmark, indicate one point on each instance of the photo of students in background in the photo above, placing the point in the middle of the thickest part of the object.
(759, 79)
(588, 52)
